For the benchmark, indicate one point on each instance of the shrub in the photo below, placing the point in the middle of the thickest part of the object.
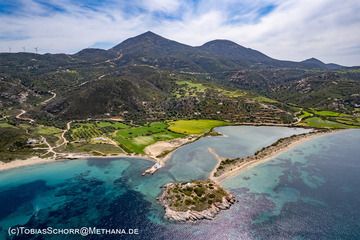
(199, 191)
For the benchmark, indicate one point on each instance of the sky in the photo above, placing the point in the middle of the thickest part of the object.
(284, 29)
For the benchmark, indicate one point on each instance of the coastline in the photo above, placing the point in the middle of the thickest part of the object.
(166, 153)
(161, 151)
(295, 141)
(4, 166)
(220, 200)
(163, 147)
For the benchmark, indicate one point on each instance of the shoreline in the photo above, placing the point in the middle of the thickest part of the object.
(294, 141)
(35, 160)
(158, 161)
(194, 211)
(162, 150)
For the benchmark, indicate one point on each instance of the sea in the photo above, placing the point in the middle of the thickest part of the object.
(308, 192)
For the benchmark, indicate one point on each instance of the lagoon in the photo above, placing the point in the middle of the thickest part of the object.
(305, 193)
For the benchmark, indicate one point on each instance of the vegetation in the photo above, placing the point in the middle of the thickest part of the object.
(197, 195)
(14, 143)
(135, 139)
(195, 126)
(192, 88)
(220, 81)
(317, 122)
(92, 129)
(304, 114)
(327, 119)
(95, 149)
(230, 164)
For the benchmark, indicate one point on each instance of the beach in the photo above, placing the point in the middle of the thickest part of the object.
(66, 156)
(158, 152)
(253, 160)
(161, 151)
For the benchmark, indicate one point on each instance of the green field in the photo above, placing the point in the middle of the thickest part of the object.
(327, 119)
(317, 122)
(46, 130)
(6, 125)
(352, 121)
(135, 139)
(304, 114)
(330, 114)
(195, 126)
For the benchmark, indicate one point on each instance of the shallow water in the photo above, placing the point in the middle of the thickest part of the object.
(309, 192)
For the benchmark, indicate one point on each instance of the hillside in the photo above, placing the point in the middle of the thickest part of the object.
(137, 78)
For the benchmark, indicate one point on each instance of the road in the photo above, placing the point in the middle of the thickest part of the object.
(22, 112)
(49, 99)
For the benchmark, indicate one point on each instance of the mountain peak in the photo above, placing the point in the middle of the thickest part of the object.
(221, 43)
(149, 34)
(313, 60)
(146, 39)
(234, 51)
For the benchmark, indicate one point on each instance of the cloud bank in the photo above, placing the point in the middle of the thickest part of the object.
(283, 29)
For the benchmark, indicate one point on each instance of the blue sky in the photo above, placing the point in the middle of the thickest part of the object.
(284, 29)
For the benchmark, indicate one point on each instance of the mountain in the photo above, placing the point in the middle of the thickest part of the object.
(152, 49)
(216, 55)
(94, 55)
(233, 51)
(316, 63)
(139, 79)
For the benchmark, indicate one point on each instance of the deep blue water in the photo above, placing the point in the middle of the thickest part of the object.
(310, 192)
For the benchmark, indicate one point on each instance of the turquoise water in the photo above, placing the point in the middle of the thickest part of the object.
(309, 192)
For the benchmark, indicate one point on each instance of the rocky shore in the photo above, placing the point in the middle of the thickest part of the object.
(192, 215)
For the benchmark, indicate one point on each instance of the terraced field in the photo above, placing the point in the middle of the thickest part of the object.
(327, 119)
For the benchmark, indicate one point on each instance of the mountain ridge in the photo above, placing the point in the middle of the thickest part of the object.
(215, 55)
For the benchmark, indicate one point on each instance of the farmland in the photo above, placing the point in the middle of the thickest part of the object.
(135, 139)
(88, 130)
(327, 119)
(195, 126)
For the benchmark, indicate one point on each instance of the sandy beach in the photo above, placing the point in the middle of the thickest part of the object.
(275, 152)
(158, 152)
(22, 163)
(152, 153)
(66, 156)
(161, 151)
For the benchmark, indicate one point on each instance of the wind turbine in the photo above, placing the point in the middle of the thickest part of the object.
(24, 49)
(36, 49)
(9, 49)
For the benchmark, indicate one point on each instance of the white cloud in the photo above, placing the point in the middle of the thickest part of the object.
(167, 6)
(295, 30)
